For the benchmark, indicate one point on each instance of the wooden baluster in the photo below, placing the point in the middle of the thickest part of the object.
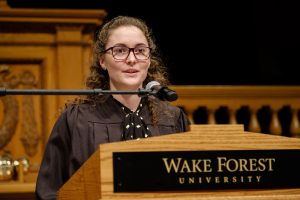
(211, 116)
(232, 115)
(275, 126)
(295, 126)
(253, 124)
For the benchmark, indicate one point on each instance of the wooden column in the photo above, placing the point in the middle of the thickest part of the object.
(232, 115)
(295, 126)
(211, 115)
(253, 124)
(69, 59)
(275, 127)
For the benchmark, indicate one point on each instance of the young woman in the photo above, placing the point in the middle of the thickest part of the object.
(125, 58)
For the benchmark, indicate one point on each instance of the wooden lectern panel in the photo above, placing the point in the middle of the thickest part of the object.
(98, 183)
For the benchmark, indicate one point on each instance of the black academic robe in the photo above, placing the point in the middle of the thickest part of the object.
(82, 127)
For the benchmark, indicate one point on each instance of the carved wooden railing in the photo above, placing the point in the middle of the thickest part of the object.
(281, 105)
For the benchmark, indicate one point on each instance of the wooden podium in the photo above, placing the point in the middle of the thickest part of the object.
(95, 179)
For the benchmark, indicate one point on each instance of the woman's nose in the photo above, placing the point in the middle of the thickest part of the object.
(131, 57)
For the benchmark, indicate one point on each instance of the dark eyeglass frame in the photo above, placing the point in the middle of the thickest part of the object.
(130, 49)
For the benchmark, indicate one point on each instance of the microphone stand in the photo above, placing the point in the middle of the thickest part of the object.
(4, 91)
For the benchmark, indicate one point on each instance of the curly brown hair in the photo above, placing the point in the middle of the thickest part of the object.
(99, 78)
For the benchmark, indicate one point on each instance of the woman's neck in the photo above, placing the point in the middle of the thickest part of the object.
(130, 101)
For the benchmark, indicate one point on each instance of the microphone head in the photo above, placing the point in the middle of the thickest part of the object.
(161, 92)
(151, 84)
(170, 95)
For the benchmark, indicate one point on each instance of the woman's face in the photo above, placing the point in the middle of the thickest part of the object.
(130, 73)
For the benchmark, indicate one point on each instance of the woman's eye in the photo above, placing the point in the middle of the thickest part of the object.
(139, 50)
(120, 50)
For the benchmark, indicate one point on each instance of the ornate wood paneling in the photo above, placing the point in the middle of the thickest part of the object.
(39, 48)
(21, 124)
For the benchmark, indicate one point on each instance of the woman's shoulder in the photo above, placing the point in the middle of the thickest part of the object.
(167, 111)
(164, 105)
(86, 107)
(91, 111)
(172, 115)
(74, 108)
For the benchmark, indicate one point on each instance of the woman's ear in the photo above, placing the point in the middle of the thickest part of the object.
(102, 63)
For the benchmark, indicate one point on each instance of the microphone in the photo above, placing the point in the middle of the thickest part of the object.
(161, 92)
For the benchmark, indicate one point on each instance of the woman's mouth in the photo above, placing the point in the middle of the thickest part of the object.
(131, 71)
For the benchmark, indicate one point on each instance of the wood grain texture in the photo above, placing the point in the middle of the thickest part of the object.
(85, 183)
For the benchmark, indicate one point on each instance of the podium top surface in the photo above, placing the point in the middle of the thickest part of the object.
(207, 137)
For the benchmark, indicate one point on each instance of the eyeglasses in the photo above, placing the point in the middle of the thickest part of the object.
(122, 52)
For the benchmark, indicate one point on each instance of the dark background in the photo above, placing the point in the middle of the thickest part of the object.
(213, 42)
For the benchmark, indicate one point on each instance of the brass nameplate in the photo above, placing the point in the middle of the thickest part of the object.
(204, 170)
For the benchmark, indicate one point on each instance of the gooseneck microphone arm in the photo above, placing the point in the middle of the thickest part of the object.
(4, 91)
(152, 88)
